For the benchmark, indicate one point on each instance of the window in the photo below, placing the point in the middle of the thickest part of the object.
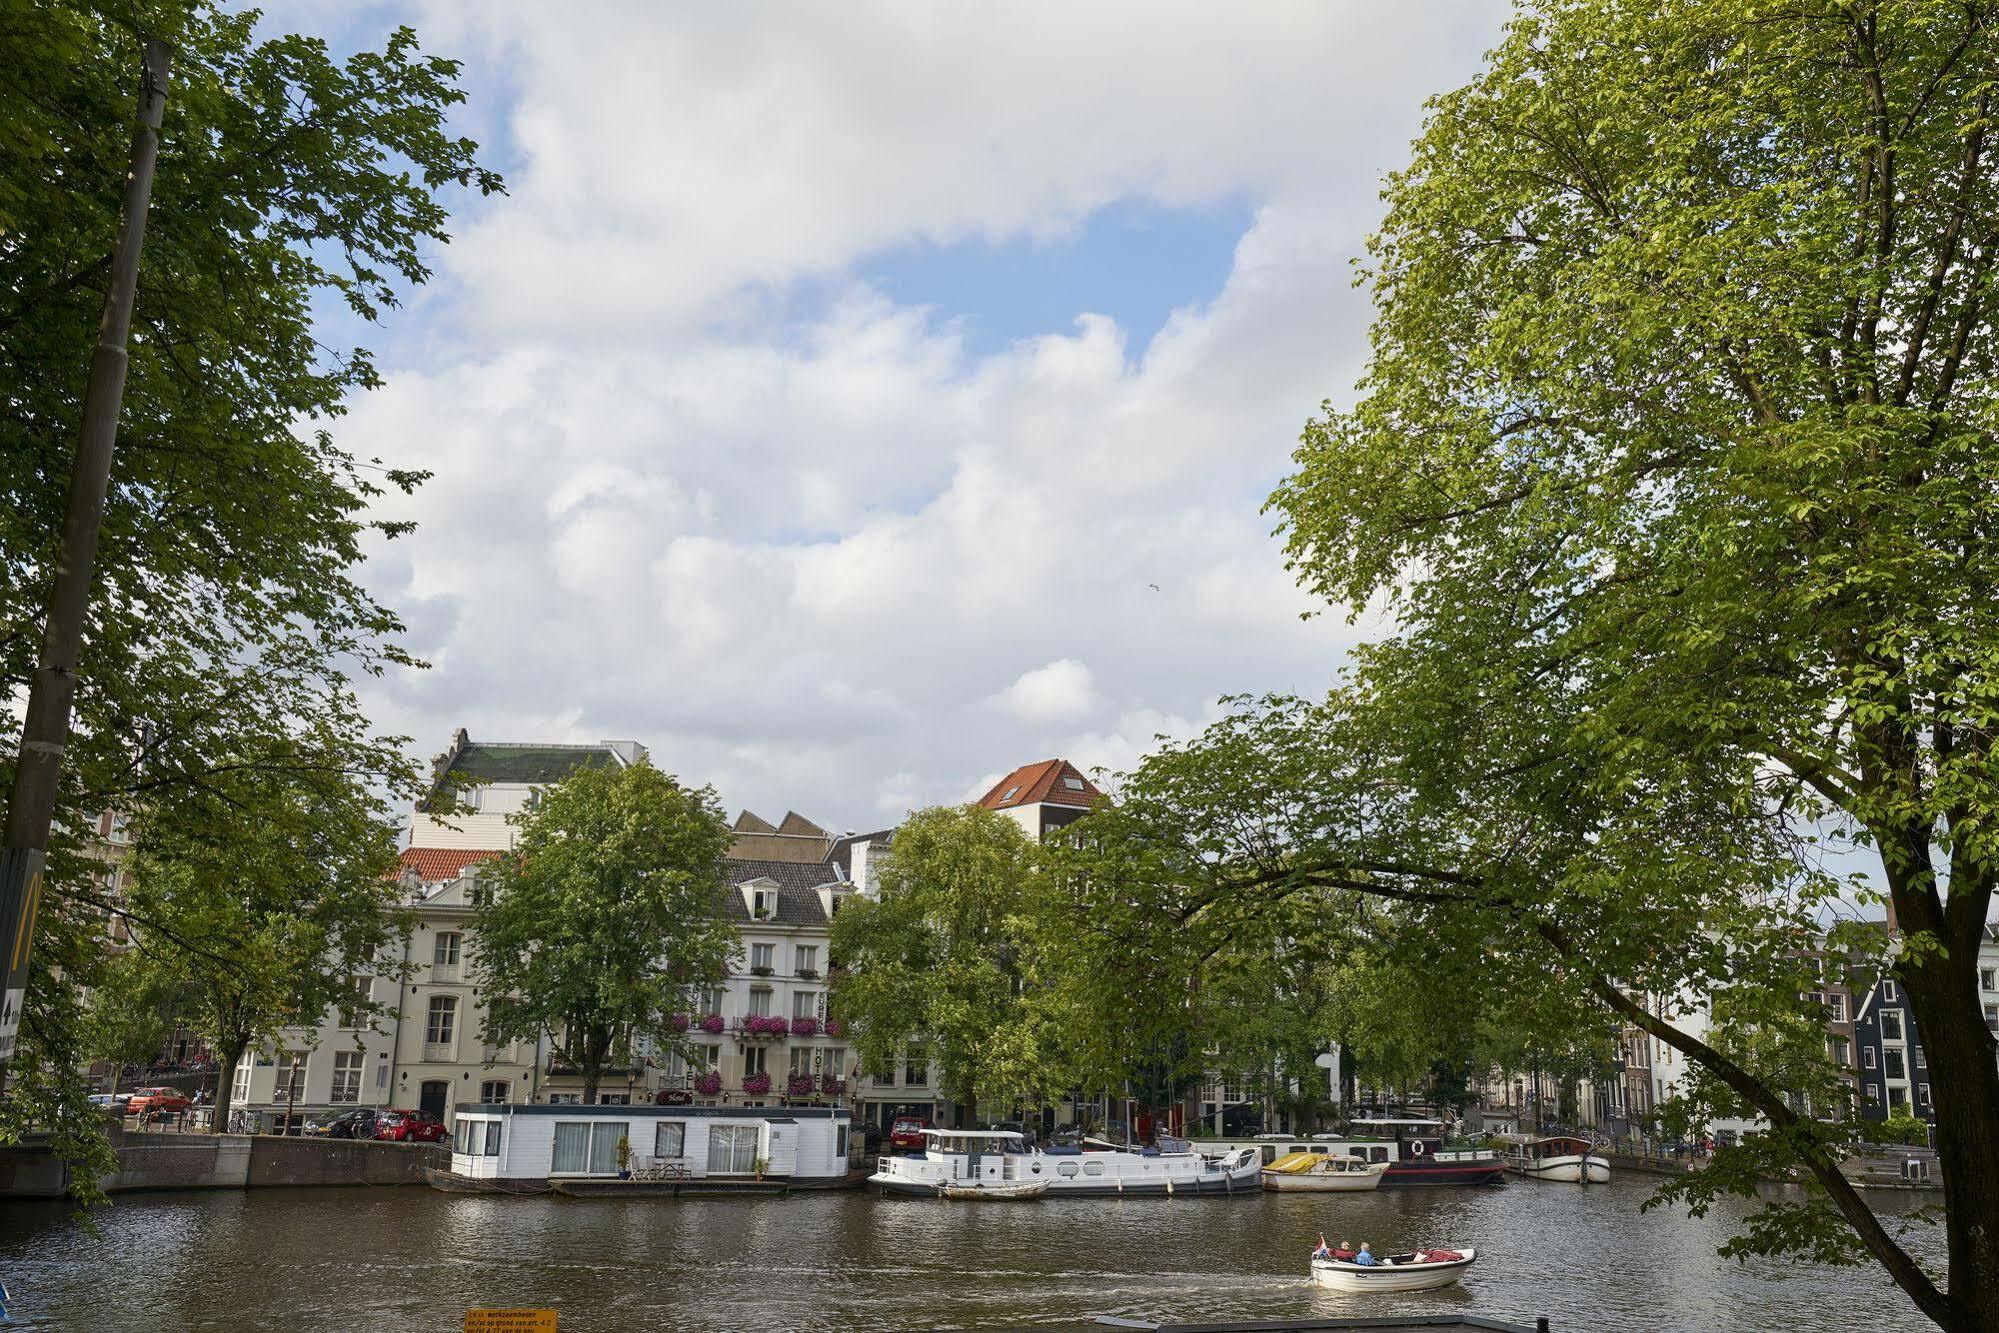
(835, 1061)
(760, 1002)
(1896, 1097)
(916, 1068)
(239, 1083)
(1992, 1016)
(732, 1148)
(1922, 1061)
(1988, 978)
(1891, 1025)
(760, 957)
(708, 1000)
(586, 1147)
(1842, 1051)
(669, 1138)
(1892, 1065)
(445, 952)
(565, 1099)
(1888, 990)
(763, 904)
(806, 958)
(1922, 1094)
(346, 1076)
(1835, 1007)
(1873, 1093)
(802, 1060)
(840, 1128)
(1011, 792)
(614, 1099)
(1867, 1060)
(493, 1092)
(1073, 784)
(443, 1022)
(492, 1145)
(753, 1061)
(354, 1009)
(804, 1004)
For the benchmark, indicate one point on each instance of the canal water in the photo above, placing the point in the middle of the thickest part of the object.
(411, 1260)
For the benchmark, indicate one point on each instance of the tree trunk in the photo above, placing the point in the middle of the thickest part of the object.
(225, 1083)
(1942, 993)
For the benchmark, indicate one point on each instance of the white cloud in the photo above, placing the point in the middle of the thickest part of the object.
(1059, 692)
(802, 558)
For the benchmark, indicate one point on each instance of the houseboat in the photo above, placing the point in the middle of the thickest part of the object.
(1413, 1149)
(1324, 1173)
(667, 1150)
(1564, 1157)
(964, 1157)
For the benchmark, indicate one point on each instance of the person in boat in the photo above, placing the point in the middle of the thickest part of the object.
(1324, 1251)
(1366, 1256)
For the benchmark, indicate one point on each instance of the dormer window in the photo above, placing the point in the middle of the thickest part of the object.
(763, 904)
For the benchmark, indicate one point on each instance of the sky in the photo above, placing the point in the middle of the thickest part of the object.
(855, 402)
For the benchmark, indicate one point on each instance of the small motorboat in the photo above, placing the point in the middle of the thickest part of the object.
(994, 1189)
(1420, 1270)
(1323, 1172)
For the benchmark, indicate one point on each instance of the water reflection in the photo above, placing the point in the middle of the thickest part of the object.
(407, 1259)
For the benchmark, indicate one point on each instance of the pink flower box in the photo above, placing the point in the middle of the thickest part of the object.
(711, 1023)
(708, 1084)
(804, 1027)
(834, 1027)
(801, 1085)
(756, 1084)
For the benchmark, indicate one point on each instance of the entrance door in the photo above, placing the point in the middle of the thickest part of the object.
(436, 1092)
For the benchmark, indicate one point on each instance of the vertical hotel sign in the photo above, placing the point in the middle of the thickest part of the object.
(20, 890)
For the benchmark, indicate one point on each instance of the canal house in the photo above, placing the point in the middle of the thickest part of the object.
(516, 1144)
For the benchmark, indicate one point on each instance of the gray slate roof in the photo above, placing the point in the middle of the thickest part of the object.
(797, 899)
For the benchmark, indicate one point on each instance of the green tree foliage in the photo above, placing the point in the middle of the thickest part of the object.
(261, 900)
(606, 918)
(1674, 463)
(941, 957)
(226, 617)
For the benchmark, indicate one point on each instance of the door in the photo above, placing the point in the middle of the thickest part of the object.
(436, 1092)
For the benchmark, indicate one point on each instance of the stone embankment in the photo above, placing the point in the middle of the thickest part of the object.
(149, 1161)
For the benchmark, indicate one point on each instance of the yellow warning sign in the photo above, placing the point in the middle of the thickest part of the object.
(510, 1321)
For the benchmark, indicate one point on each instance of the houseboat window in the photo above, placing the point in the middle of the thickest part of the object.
(492, 1138)
(1066, 1169)
(731, 1148)
(670, 1138)
(840, 1139)
(585, 1147)
(1093, 1168)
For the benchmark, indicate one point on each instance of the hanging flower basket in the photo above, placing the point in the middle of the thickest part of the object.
(708, 1084)
(711, 1023)
(804, 1027)
(801, 1085)
(756, 1085)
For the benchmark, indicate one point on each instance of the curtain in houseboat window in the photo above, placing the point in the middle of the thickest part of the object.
(670, 1139)
(572, 1148)
(731, 1147)
(604, 1147)
(492, 1138)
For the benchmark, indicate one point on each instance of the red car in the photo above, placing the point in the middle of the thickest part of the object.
(156, 1101)
(907, 1133)
(409, 1127)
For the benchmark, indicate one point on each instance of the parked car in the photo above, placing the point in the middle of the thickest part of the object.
(906, 1134)
(156, 1101)
(400, 1126)
(356, 1124)
(110, 1101)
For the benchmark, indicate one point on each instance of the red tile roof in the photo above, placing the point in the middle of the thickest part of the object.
(1052, 781)
(433, 864)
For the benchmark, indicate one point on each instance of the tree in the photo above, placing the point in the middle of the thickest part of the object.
(259, 902)
(226, 614)
(606, 918)
(1675, 464)
(940, 957)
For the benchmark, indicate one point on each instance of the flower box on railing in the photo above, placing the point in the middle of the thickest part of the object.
(756, 1085)
(708, 1084)
(808, 972)
(834, 1027)
(832, 1085)
(762, 1025)
(677, 1022)
(802, 1085)
(804, 1027)
(711, 1023)
(761, 969)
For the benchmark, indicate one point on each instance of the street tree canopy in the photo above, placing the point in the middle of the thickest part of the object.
(226, 616)
(606, 918)
(1674, 468)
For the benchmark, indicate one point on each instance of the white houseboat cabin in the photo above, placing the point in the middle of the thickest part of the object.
(802, 1145)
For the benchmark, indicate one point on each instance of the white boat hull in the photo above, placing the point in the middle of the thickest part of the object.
(1575, 1170)
(1324, 1182)
(1388, 1276)
(1074, 1174)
